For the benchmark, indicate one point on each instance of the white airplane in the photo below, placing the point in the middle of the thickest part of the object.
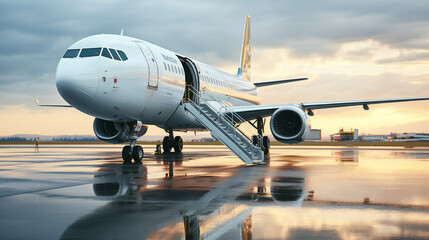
(127, 84)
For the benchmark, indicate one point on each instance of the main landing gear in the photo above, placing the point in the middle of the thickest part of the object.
(266, 144)
(170, 142)
(133, 151)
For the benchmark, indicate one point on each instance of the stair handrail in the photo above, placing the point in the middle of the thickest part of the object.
(227, 115)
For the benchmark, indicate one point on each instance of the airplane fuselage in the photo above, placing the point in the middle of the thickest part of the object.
(147, 85)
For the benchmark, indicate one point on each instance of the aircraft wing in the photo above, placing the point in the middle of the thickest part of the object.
(54, 105)
(255, 111)
(50, 105)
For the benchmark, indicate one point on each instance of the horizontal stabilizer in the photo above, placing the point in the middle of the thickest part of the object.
(269, 83)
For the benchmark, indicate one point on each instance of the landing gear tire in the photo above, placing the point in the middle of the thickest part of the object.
(126, 154)
(167, 144)
(266, 144)
(138, 154)
(178, 144)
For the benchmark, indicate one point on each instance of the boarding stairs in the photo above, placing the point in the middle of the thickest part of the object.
(239, 136)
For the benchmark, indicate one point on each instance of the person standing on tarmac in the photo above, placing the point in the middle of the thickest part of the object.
(36, 148)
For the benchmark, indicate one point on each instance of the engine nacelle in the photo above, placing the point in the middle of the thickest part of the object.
(290, 125)
(115, 132)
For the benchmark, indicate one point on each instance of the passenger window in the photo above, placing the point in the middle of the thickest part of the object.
(105, 53)
(71, 53)
(168, 67)
(114, 54)
(123, 55)
(90, 52)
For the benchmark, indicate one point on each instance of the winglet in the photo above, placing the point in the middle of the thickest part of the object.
(122, 32)
(244, 69)
(37, 101)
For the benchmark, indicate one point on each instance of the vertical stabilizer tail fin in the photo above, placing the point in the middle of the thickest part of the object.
(244, 69)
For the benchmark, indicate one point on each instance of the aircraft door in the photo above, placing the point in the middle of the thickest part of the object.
(153, 73)
(192, 78)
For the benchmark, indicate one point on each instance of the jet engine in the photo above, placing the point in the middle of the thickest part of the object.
(290, 125)
(115, 132)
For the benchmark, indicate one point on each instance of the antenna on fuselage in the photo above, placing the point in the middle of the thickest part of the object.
(122, 32)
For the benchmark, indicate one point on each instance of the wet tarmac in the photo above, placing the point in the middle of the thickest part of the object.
(86, 192)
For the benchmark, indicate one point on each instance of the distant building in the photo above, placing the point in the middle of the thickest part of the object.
(314, 135)
(349, 134)
(208, 140)
(408, 137)
(345, 135)
(374, 138)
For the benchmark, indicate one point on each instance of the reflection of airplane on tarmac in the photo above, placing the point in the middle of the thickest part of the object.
(124, 182)
(126, 82)
(193, 207)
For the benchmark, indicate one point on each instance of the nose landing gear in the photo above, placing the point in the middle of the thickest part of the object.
(133, 151)
(171, 142)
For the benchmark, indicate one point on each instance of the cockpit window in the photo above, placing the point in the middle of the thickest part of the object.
(90, 52)
(123, 55)
(93, 52)
(114, 54)
(105, 53)
(71, 53)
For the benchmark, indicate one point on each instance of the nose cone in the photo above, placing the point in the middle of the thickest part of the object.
(76, 81)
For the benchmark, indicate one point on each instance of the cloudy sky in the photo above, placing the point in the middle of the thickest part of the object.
(349, 50)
